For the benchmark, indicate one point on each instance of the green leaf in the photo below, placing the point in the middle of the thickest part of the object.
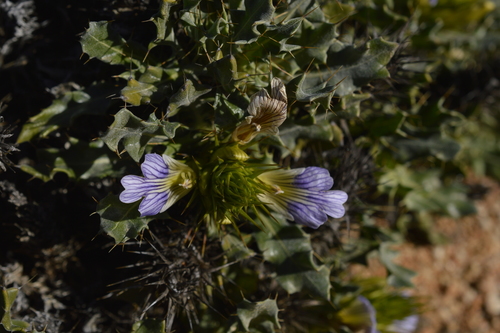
(451, 200)
(136, 133)
(257, 12)
(294, 136)
(105, 44)
(226, 70)
(63, 112)
(8, 297)
(314, 39)
(236, 248)
(304, 8)
(400, 274)
(164, 31)
(444, 149)
(275, 38)
(150, 85)
(121, 221)
(349, 69)
(80, 160)
(259, 317)
(186, 95)
(149, 326)
(295, 275)
(137, 93)
(290, 250)
(227, 114)
(382, 126)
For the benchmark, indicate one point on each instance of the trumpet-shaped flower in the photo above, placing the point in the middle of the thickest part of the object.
(303, 195)
(165, 181)
(267, 113)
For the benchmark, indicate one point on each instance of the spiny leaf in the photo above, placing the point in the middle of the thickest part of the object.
(94, 100)
(186, 95)
(148, 86)
(291, 133)
(235, 248)
(275, 38)
(314, 40)
(290, 250)
(226, 70)
(102, 42)
(121, 221)
(309, 9)
(164, 31)
(349, 69)
(7, 298)
(349, 105)
(258, 316)
(256, 12)
(136, 133)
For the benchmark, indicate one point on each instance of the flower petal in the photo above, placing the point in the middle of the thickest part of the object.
(278, 90)
(256, 102)
(153, 203)
(154, 166)
(134, 189)
(307, 215)
(315, 179)
(303, 194)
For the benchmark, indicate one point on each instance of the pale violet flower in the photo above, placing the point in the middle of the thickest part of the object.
(303, 195)
(267, 113)
(406, 325)
(372, 314)
(165, 181)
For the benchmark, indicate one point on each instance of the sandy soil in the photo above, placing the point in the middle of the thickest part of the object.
(459, 279)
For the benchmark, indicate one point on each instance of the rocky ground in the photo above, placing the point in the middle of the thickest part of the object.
(459, 280)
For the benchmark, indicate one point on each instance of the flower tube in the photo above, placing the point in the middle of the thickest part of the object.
(303, 195)
(165, 181)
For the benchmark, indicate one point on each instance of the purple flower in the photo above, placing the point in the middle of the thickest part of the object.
(372, 314)
(165, 181)
(303, 195)
(406, 325)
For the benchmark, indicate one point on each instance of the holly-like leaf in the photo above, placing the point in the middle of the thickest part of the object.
(102, 42)
(294, 136)
(81, 160)
(226, 70)
(235, 248)
(257, 12)
(314, 39)
(348, 70)
(275, 38)
(186, 95)
(7, 298)
(290, 250)
(122, 221)
(135, 133)
(94, 100)
(149, 85)
(259, 317)
(164, 31)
